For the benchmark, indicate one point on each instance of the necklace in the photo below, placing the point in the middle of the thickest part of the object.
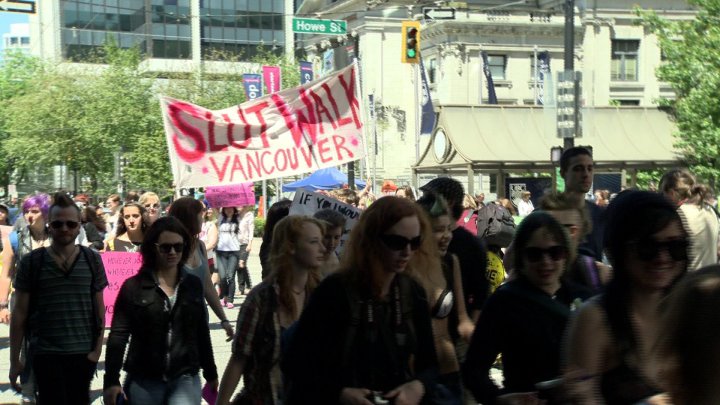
(65, 260)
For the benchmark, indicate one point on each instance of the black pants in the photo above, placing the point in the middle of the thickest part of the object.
(243, 274)
(63, 379)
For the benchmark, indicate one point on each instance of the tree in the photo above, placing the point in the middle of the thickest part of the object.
(691, 49)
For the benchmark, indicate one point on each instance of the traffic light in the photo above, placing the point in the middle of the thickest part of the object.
(410, 42)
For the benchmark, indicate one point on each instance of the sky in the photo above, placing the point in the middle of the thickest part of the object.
(10, 18)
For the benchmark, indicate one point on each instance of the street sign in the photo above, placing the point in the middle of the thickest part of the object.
(437, 13)
(18, 6)
(315, 26)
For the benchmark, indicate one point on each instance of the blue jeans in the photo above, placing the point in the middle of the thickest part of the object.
(184, 390)
(227, 265)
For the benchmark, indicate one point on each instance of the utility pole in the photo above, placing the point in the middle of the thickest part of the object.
(569, 142)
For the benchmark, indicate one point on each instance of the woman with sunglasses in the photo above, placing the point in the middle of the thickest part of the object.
(609, 342)
(524, 320)
(271, 309)
(365, 336)
(130, 229)
(151, 202)
(161, 311)
(189, 212)
(443, 285)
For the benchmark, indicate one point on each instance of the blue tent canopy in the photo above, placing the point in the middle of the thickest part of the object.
(322, 179)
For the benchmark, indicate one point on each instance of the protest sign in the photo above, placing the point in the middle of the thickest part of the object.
(291, 132)
(308, 203)
(119, 266)
(234, 195)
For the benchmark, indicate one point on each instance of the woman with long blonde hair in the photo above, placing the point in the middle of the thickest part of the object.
(270, 309)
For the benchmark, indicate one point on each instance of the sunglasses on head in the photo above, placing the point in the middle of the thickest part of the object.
(536, 254)
(649, 249)
(397, 242)
(69, 224)
(166, 247)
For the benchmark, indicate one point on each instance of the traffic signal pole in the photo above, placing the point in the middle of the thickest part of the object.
(570, 58)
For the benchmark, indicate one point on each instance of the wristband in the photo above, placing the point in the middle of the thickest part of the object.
(223, 321)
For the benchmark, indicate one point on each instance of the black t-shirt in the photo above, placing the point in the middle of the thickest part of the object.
(593, 243)
(472, 255)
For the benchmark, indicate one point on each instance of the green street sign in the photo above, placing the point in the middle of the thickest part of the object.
(315, 26)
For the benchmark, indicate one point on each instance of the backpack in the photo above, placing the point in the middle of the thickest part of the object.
(469, 221)
(495, 224)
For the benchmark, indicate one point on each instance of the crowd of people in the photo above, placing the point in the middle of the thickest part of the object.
(607, 301)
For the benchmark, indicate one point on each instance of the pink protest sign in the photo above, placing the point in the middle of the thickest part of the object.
(234, 195)
(119, 266)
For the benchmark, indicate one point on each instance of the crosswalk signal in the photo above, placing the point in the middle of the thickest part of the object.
(410, 42)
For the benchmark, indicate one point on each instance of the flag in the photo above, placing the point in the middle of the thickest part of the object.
(253, 86)
(427, 120)
(543, 73)
(306, 72)
(492, 97)
(271, 75)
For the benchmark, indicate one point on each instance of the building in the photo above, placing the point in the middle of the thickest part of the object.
(483, 144)
(18, 39)
(175, 35)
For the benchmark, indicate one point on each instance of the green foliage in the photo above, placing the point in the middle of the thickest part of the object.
(692, 66)
(259, 227)
(84, 116)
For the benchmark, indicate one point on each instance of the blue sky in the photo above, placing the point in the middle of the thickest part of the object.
(10, 18)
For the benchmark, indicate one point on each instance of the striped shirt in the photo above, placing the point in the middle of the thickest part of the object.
(61, 319)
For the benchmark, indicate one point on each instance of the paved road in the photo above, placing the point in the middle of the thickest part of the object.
(221, 348)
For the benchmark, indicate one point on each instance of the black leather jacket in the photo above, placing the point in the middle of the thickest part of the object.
(142, 310)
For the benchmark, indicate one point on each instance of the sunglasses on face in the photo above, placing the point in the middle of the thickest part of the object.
(536, 254)
(167, 247)
(649, 249)
(69, 224)
(152, 206)
(397, 242)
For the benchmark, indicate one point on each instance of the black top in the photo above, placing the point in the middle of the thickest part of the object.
(472, 255)
(143, 311)
(338, 344)
(526, 325)
(592, 245)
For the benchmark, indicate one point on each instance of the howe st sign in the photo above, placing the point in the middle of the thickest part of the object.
(315, 26)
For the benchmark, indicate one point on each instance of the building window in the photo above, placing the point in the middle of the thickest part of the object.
(432, 69)
(624, 63)
(496, 64)
(624, 103)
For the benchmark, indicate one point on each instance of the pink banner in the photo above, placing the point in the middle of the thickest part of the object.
(271, 76)
(234, 195)
(119, 266)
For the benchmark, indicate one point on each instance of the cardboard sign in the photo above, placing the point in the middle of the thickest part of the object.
(119, 266)
(236, 195)
(308, 203)
(291, 132)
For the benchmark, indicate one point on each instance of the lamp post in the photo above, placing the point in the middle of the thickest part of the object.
(569, 142)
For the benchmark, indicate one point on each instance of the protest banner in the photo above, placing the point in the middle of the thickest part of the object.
(119, 266)
(308, 203)
(291, 132)
(234, 195)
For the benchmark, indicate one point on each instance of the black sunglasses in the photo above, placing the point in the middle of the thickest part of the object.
(649, 249)
(166, 247)
(397, 242)
(69, 224)
(535, 254)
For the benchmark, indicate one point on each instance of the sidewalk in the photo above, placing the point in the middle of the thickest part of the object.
(221, 348)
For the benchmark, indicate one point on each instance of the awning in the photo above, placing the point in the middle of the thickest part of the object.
(520, 138)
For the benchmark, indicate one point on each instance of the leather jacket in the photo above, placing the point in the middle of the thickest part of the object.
(166, 342)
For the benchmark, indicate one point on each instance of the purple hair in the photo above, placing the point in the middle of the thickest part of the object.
(41, 200)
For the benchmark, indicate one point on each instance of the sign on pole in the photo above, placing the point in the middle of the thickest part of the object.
(569, 117)
(18, 6)
(437, 13)
(315, 26)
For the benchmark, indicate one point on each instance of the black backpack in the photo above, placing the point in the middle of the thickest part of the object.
(495, 225)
